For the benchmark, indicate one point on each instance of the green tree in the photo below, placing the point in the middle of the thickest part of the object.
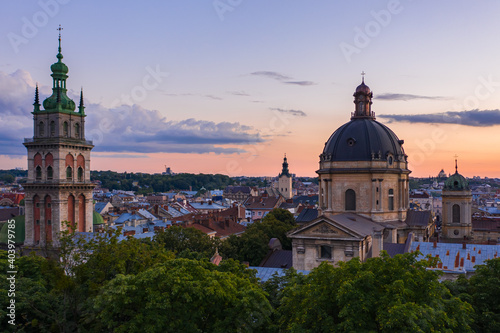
(184, 241)
(482, 291)
(182, 295)
(381, 295)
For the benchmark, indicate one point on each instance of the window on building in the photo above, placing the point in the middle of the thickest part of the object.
(38, 173)
(391, 199)
(325, 252)
(350, 200)
(41, 129)
(260, 213)
(65, 129)
(50, 172)
(456, 213)
(80, 174)
(69, 173)
(52, 128)
(77, 130)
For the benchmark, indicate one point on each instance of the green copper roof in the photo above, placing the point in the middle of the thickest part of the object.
(58, 101)
(456, 182)
(97, 218)
(19, 231)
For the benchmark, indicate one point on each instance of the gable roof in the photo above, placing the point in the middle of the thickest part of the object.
(307, 215)
(261, 202)
(418, 218)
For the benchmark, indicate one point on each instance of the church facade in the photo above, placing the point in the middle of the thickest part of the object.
(58, 187)
(364, 192)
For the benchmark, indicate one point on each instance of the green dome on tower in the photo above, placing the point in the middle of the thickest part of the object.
(59, 101)
(456, 182)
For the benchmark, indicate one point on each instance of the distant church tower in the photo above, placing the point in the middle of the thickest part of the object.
(285, 181)
(457, 207)
(58, 187)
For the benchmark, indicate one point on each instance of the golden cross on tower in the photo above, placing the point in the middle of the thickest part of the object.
(363, 76)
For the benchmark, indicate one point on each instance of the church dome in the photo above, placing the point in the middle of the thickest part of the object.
(456, 182)
(363, 139)
(363, 88)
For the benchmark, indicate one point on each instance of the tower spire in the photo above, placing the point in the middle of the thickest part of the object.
(37, 100)
(456, 164)
(81, 107)
(363, 76)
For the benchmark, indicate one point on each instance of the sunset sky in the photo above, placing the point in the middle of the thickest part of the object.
(229, 86)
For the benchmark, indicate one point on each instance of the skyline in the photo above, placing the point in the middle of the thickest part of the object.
(239, 83)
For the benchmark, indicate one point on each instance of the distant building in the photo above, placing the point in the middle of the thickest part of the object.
(239, 193)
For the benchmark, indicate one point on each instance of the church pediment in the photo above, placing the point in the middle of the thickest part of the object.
(323, 227)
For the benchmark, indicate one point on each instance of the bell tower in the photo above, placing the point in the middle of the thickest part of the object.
(58, 187)
(457, 207)
(285, 181)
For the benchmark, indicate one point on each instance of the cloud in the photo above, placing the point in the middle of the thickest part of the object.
(122, 129)
(238, 93)
(407, 97)
(477, 118)
(272, 75)
(301, 83)
(213, 97)
(297, 113)
(119, 156)
(282, 78)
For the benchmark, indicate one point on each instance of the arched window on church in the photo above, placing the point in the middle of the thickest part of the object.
(38, 173)
(65, 129)
(350, 200)
(391, 199)
(52, 128)
(77, 130)
(69, 173)
(455, 214)
(50, 173)
(41, 129)
(80, 174)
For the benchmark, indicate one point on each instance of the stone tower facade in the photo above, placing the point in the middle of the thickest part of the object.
(285, 181)
(457, 208)
(58, 187)
(363, 168)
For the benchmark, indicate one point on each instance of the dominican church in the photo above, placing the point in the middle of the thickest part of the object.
(364, 194)
(58, 187)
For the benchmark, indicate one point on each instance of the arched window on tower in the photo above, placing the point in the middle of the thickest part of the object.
(80, 174)
(38, 173)
(65, 129)
(52, 128)
(350, 200)
(455, 213)
(41, 129)
(50, 173)
(69, 173)
(391, 199)
(77, 130)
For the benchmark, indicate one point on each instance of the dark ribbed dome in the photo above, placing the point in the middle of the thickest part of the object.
(363, 88)
(363, 139)
(456, 182)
